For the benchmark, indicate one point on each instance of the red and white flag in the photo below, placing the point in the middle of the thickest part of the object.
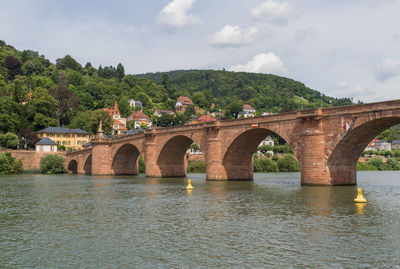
(346, 126)
(254, 125)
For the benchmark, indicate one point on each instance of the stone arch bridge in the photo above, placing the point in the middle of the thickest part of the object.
(327, 143)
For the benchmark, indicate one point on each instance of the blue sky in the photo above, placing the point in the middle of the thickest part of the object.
(342, 48)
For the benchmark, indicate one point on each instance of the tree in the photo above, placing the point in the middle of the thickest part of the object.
(105, 117)
(68, 103)
(123, 106)
(9, 140)
(165, 121)
(52, 164)
(189, 111)
(288, 164)
(9, 165)
(68, 62)
(27, 139)
(120, 71)
(44, 109)
(82, 120)
(165, 82)
(201, 100)
(233, 109)
(13, 65)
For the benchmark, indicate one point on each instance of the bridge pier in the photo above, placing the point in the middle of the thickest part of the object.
(101, 157)
(150, 158)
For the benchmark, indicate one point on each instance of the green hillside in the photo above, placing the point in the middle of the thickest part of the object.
(265, 92)
(36, 93)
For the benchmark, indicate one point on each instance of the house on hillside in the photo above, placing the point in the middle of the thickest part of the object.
(139, 119)
(248, 111)
(159, 113)
(206, 118)
(396, 144)
(371, 145)
(383, 145)
(46, 145)
(119, 124)
(70, 138)
(268, 141)
(182, 103)
(135, 104)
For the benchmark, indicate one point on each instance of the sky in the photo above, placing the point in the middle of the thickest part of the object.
(341, 48)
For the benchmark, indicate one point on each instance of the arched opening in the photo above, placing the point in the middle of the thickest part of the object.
(126, 160)
(343, 159)
(239, 163)
(73, 167)
(87, 168)
(195, 160)
(171, 159)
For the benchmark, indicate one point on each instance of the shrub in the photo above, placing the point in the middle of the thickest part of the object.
(365, 167)
(288, 163)
(61, 147)
(9, 140)
(265, 165)
(52, 164)
(394, 165)
(9, 165)
(142, 168)
(196, 167)
(379, 164)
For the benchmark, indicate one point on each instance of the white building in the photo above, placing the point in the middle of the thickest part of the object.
(248, 111)
(135, 104)
(268, 141)
(46, 145)
(383, 146)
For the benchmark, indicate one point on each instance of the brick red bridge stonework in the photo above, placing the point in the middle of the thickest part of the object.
(326, 152)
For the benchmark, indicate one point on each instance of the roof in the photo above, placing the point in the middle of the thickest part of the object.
(206, 118)
(248, 107)
(395, 142)
(185, 100)
(113, 110)
(135, 131)
(136, 116)
(162, 112)
(46, 141)
(62, 130)
(120, 123)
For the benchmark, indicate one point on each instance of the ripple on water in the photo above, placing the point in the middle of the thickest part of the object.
(97, 222)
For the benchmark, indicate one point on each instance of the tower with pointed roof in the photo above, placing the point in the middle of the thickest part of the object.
(119, 124)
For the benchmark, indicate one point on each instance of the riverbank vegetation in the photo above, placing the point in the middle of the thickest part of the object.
(52, 164)
(9, 165)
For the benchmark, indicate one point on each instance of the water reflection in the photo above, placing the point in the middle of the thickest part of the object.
(126, 221)
(360, 208)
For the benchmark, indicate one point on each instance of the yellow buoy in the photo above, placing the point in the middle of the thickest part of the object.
(360, 198)
(189, 185)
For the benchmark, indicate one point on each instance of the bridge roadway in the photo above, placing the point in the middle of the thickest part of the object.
(327, 153)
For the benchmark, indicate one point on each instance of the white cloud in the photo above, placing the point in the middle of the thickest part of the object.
(272, 11)
(262, 63)
(232, 36)
(388, 68)
(175, 14)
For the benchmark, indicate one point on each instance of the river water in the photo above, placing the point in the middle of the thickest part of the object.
(73, 221)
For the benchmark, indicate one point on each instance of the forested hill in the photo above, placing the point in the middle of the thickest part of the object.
(36, 93)
(265, 92)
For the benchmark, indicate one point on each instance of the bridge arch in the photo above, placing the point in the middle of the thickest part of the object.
(171, 159)
(73, 166)
(237, 159)
(125, 160)
(348, 147)
(87, 167)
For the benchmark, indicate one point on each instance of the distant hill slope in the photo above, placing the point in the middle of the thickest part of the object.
(265, 92)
